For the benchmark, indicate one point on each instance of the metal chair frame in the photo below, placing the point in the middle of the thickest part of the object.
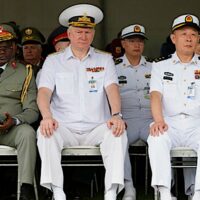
(180, 152)
(78, 158)
(143, 153)
(91, 156)
(6, 151)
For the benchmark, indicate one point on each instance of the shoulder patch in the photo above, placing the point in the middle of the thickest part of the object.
(162, 58)
(100, 51)
(118, 61)
(149, 59)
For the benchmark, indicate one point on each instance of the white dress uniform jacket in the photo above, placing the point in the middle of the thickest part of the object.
(134, 90)
(80, 106)
(179, 84)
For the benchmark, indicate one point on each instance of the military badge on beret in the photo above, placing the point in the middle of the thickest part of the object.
(137, 29)
(28, 31)
(188, 18)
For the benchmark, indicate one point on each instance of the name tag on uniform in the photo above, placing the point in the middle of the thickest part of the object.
(167, 78)
(122, 80)
(92, 85)
(146, 91)
(168, 74)
(191, 90)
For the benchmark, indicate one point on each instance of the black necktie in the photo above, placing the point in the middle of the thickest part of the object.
(1, 71)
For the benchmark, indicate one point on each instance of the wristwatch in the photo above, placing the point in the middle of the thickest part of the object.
(16, 121)
(118, 114)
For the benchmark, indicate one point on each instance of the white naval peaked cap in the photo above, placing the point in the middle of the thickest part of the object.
(186, 20)
(133, 30)
(81, 15)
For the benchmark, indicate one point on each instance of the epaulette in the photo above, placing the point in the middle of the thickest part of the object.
(101, 51)
(162, 58)
(149, 59)
(22, 62)
(118, 61)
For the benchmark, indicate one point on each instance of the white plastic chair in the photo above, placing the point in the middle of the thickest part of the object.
(9, 151)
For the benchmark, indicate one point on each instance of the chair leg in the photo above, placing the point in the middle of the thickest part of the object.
(96, 183)
(35, 189)
(176, 182)
(18, 184)
(156, 194)
(19, 187)
(135, 166)
(92, 188)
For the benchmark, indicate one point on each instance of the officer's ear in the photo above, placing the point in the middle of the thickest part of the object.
(122, 43)
(172, 37)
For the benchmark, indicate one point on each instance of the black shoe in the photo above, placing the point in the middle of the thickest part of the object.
(27, 192)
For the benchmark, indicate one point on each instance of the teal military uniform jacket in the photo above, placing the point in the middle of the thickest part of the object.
(11, 85)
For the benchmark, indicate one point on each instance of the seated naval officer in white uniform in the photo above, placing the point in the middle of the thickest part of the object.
(76, 88)
(134, 72)
(175, 103)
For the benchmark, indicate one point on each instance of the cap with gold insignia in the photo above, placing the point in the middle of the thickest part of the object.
(7, 33)
(58, 34)
(186, 20)
(133, 30)
(31, 35)
(81, 15)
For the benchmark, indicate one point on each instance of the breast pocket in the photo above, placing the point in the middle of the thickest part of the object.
(64, 83)
(169, 89)
(14, 90)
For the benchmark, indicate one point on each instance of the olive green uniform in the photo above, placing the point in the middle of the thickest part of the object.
(21, 136)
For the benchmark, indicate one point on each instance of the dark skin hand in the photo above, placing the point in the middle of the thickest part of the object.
(7, 124)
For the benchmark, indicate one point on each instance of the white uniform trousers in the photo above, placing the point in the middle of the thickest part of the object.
(136, 129)
(112, 149)
(183, 131)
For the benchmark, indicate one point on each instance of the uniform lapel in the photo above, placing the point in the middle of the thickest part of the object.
(7, 72)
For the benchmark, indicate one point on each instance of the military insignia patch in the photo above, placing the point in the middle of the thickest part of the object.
(122, 80)
(137, 29)
(197, 74)
(148, 59)
(188, 18)
(118, 61)
(147, 75)
(167, 78)
(95, 69)
(168, 74)
(162, 58)
(14, 64)
(28, 31)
